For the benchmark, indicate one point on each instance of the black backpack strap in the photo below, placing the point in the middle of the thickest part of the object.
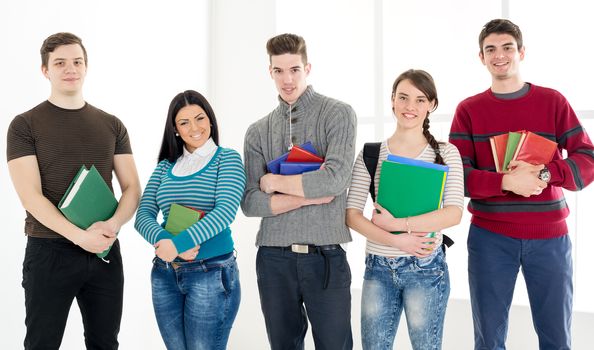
(371, 152)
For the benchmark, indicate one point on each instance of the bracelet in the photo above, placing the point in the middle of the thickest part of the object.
(407, 226)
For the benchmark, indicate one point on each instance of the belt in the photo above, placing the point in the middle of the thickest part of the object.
(313, 249)
(309, 248)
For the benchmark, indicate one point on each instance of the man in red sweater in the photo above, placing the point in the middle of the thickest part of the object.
(518, 217)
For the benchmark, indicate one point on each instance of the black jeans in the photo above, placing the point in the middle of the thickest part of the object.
(293, 288)
(55, 271)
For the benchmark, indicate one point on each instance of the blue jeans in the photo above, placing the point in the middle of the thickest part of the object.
(493, 264)
(196, 302)
(296, 287)
(420, 287)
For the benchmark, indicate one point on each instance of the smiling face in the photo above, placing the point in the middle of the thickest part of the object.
(410, 105)
(501, 56)
(66, 70)
(193, 126)
(289, 74)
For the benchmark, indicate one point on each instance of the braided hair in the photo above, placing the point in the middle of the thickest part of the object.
(432, 142)
(424, 82)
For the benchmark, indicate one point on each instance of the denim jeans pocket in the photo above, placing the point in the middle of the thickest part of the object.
(433, 264)
(269, 265)
(339, 269)
(229, 277)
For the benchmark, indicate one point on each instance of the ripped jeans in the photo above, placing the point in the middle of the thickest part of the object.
(420, 287)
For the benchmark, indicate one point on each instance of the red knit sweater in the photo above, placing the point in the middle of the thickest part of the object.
(545, 112)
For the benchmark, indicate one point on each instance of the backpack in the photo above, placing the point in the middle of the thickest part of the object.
(371, 152)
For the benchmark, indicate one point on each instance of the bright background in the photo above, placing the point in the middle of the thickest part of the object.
(142, 53)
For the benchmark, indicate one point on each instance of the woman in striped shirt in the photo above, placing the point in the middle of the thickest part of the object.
(195, 280)
(406, 271)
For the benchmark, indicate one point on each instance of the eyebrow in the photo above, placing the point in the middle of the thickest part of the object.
(64, 59)
(403, 94)
(504, 45)
(279, 68)
(197, 115)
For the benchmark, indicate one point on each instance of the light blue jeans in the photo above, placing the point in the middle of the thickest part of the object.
(420, 287)
(196, 302)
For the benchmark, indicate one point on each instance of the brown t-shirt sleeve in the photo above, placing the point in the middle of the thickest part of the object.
(123, 145)
(19, 139)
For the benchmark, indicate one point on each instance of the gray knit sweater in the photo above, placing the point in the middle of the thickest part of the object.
(330, 126)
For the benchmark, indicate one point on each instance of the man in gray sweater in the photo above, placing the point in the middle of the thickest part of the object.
(300, 263)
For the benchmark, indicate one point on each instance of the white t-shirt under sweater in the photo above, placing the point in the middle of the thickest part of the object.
(453, 194)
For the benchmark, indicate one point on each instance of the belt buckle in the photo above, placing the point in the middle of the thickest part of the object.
(300, 248)
(175, 265)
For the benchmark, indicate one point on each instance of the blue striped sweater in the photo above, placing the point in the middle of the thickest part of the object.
(216, 189)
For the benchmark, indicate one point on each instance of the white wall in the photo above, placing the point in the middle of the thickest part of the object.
(141, 54)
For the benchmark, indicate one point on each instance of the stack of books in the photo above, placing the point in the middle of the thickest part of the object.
(521, 145)
(410, 187)
(299, 160)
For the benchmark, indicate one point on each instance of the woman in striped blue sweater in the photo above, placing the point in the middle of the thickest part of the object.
(195, 280)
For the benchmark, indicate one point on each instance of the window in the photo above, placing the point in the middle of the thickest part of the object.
(384, 38)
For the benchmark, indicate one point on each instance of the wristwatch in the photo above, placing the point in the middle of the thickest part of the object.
(545, 175)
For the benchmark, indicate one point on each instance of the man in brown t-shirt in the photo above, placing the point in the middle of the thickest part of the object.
(46, 147)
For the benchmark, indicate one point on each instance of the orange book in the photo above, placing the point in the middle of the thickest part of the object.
(498, 145)
(535, 149)
(298, 154)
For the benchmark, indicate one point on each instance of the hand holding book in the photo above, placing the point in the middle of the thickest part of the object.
(106, 228)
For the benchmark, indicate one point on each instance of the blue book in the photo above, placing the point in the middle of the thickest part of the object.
(295, 168)
(274, 165)
(417, 162)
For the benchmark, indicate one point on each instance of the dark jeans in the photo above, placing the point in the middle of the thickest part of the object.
(294, 287)
(493, 264)
(55, 271)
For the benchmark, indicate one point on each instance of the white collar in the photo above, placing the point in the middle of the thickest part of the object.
(206, 149)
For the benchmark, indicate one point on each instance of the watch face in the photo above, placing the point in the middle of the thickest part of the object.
(545, 175)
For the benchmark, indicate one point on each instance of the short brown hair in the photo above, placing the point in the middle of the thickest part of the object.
(501, 26)
(287, 43)
(56, 40)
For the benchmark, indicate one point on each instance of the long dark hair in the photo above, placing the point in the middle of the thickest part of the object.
(424, 82)
(172, 147)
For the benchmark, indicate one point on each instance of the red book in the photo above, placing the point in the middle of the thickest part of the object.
(498, 146)
(298, 154)
(536, 149)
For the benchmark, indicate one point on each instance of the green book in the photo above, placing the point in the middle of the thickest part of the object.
(513, 140)
(409, 190)
(87, 200)
(181, 217)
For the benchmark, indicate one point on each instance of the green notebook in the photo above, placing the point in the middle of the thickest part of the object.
(87, 200)
(513, 140)
(409, 190)
(181, 217)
